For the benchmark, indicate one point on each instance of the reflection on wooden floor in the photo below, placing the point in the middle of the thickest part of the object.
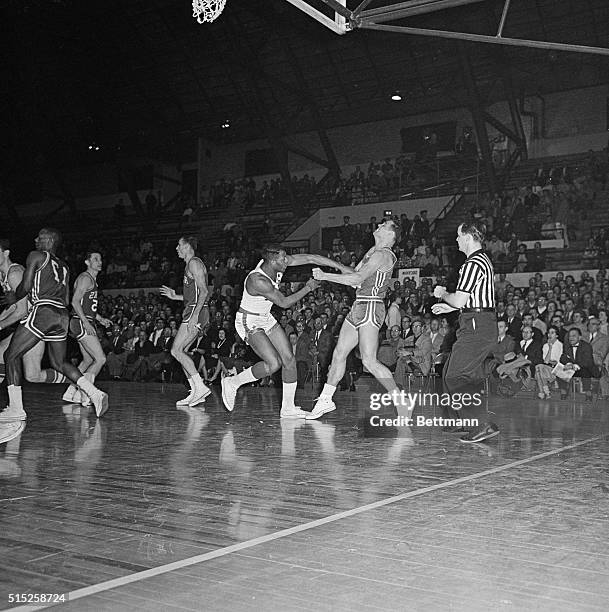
(86, 501)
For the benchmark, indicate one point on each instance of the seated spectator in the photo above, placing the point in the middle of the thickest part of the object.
(504, 346)
(577, 356)
(388, 349)
(528, 355)
(416, 359)
(551, 354)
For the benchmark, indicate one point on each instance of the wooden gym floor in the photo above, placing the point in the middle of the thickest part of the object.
(154, 508)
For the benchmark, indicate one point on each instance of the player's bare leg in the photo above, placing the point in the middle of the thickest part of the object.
(347, 341)
(21, 342)
(93, 360)
(32, 371)
(181, 343)
(289, 374)
(271, 362)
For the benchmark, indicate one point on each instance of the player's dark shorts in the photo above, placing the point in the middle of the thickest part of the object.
(48, 322)
(203, 315)
(77, 329)
(367, 313)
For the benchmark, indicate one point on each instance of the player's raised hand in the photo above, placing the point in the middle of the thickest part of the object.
(439, 291)
(168, 292)
(313, 284)
(317, 273)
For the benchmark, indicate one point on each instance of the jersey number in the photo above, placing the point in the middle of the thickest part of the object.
(56, 270)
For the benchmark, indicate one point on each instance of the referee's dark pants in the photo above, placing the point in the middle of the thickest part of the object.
(464, 370)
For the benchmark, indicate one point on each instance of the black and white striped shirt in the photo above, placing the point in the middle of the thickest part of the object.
(476, 277)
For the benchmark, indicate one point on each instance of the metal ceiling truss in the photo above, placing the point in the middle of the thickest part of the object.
(378, 18)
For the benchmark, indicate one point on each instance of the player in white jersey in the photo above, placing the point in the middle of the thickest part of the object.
(257, 326)
(371, 278)
(10, 277)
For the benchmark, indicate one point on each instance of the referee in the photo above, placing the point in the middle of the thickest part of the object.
(477, 334)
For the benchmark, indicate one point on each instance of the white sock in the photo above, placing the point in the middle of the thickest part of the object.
(196, 383)
(15, 399)
(87, 386)
(245, 377)
(328, 391)
(289, 392)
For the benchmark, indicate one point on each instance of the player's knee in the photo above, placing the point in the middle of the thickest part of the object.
(175, 352)
(33, 377)
(289, 362)
(369, 362)
(101, 359)
(273, 365)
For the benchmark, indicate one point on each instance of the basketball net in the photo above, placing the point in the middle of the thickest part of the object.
(207, 10)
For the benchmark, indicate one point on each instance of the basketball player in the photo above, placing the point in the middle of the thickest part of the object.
(194, 318)
(82, 326)
(371, 278)
(257, 326)
(11, 275)
(46, 281)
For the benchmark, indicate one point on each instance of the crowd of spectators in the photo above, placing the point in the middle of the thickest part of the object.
(418, 247)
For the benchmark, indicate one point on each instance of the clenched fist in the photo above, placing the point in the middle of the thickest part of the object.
(312, 284)
(439, 292)
(317, 274)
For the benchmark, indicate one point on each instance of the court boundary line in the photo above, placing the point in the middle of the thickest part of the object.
(282, 533)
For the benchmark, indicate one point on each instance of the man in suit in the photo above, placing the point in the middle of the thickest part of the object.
(388, 350)
(529, 353)
(415, 359)
(597, 340)
(577, 356)
(514, 323)
(138, 360)
(321, 347)
(527, 321)
(116, 358)
(160, 359)
(505, 345)
(302, 349)
(157, 332)
(436, 337)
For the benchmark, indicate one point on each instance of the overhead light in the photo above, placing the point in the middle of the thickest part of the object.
(93, 147)
(226, 125)
(396, 96)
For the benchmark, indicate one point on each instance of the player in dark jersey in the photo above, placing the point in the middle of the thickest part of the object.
(371, 277)
(82, 326)
(194, 318)
(46, 280)
(11, 275)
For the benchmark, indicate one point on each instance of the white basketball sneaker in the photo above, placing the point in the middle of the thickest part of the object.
(229, 392)
(323, 405)
(293, 412)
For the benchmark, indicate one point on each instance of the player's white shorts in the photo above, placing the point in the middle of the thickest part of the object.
(246, 324)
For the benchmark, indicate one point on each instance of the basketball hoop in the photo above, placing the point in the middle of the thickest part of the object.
(207, 10)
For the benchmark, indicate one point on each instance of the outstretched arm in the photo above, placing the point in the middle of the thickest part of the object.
(377, 261)
(302, 259)
(259, 285)
(34, 261)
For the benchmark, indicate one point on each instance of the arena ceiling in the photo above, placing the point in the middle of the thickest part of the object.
(143, 75)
